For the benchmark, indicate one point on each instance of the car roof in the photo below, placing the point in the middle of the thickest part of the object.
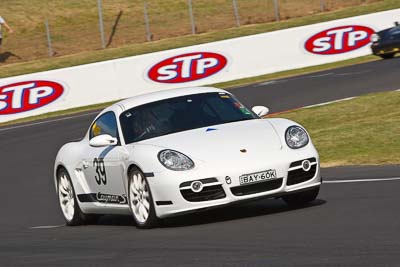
(160, 95)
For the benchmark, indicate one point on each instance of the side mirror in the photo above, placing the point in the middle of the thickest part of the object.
(103, 140)
(260, 110)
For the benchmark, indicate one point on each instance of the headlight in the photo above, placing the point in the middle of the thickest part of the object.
(374, 38)
(175, 160)
(296, 137)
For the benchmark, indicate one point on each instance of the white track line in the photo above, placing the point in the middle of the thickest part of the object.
(352, 73)
(46, 226)
(361, 180)
(270, 82)
(320, 75)
(267, 83)
(49, 121)
(330, 102)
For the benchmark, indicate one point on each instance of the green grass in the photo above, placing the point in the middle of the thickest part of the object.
(361, 131)
(170, 43)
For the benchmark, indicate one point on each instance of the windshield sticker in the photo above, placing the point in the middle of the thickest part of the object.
(242, 108)
(245, 111)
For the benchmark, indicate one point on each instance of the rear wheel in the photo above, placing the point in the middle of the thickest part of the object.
(301, 198)
(387, 56)
(140, 200)
(68, 203)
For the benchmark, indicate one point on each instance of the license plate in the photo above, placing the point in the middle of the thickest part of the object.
(257, 177)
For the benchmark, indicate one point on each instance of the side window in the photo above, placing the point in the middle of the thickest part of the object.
(106, 124)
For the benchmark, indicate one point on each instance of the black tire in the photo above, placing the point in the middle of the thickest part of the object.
(387, 56)
(301, 198)
(79, 218)
(152, 220)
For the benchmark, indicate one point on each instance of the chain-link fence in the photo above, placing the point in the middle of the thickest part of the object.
(61, 27)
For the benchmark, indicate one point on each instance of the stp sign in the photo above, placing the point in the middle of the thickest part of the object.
(339, 40)
(25, 96)
(187, 67)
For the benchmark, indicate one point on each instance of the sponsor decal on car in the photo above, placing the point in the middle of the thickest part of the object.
(187, 67)
(29, 95)
(211, 129)
(339, 40)
(111, 199)
(103, 198)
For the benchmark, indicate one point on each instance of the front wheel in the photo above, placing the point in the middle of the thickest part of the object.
(301, 198)
(140, 200)
(387, 56)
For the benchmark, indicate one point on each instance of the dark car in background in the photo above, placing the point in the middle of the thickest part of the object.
(386, 43)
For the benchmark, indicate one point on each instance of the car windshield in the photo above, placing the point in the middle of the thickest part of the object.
(181, 114)
(395, 34)
(392, 34)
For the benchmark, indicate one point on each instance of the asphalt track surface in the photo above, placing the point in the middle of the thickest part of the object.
(351, 224)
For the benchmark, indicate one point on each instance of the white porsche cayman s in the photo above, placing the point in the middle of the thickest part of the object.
(184, 150)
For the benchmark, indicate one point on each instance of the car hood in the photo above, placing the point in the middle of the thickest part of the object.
(226, 142)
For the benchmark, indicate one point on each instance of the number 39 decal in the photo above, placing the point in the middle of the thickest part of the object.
(101, 177)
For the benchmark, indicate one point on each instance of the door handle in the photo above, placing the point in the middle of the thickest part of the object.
(123, 153)
(85, 164)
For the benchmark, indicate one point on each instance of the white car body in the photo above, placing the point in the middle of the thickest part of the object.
(223, 152)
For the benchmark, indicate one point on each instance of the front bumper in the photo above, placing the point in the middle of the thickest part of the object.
(379, 50)
(172, 192)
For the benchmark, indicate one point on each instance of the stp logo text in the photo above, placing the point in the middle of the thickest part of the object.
(25, 96)
(339, 40)
(187, 67)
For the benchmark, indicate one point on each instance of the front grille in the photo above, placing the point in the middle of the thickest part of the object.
(299, 175)
(257, 188)
(208, 193)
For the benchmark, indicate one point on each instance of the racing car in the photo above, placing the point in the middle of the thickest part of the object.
(177, 151)
(386, 43)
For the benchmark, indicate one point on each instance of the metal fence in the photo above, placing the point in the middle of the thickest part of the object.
(66, 27)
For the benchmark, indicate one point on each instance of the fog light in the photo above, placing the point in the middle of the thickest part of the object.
(306, 165)
(196, 186)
